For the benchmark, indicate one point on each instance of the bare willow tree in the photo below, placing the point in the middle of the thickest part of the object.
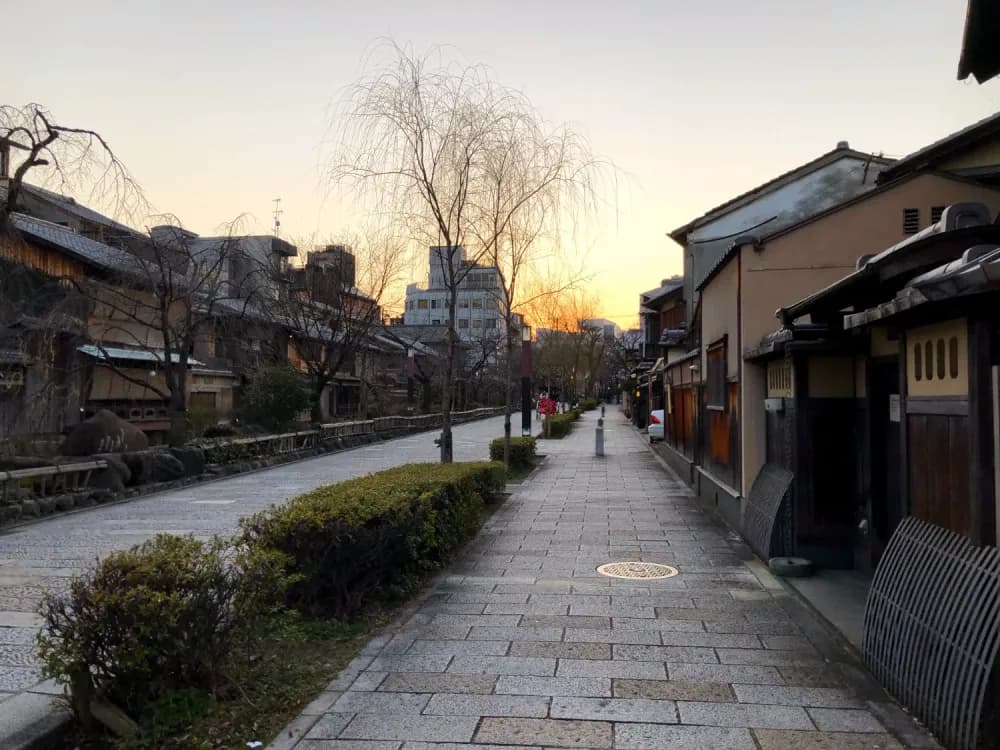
(72, 159)
(331, 309)
(539, 179)
(423, 140)
(171, 289)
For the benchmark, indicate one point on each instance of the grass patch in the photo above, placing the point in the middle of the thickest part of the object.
(288, 672)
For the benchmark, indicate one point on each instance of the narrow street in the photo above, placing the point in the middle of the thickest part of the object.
(522, 643)
(44, 556)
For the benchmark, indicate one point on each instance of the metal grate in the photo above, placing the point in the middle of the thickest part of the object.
(636, 570)
(766, 497)
(911, 220)
(932, 628)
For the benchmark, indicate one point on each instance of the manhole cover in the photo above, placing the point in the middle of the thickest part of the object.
(636, 570)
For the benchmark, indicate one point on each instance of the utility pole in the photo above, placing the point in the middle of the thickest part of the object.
(277, 216)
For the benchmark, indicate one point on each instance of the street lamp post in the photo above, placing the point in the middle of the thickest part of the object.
(526, 381)
(410, 367)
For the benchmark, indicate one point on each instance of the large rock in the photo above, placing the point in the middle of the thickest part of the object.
(140, 464)
(193, 459)
(114, 477)
(105, 432)
(166, 468)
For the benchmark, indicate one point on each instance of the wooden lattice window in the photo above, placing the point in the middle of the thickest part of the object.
(911, 220)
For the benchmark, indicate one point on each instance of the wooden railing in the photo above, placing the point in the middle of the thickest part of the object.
(48, 480)
(223, 450)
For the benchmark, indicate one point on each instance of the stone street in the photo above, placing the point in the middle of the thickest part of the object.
(521, 642)
(44, 556)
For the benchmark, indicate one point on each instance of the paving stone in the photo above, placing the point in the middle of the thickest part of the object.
(589, 635)
(476, 620)
(492, 633)
(329, 726)
(765, 657)
(743, 715)
(460, 648)
(503, 665)
(552, 732)
(615, 709)
(346, 745)
(732, 673)
(14, 679)
(776, 739)
(788, 643)
(674, 626)
(741, 625)
(564, 621)
(411, 663)
(644, 670)
(460, 746)
(423, 728)
(797, 696)
(674, 690)
(526, 609)
(554, 686)
(687, 654)
(528, 706)
(845, 720)
(660, 736)
(561, 650)
(488, 598)
(822, 676)
(380, 703)
(368, 681)
(437, 682)
(12, 619)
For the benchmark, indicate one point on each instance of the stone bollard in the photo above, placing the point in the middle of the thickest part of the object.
(602, 411)
(599, 438)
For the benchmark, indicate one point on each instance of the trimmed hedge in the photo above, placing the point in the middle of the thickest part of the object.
(375, 535)
(589, 404)
(559, 425)
(522, 452)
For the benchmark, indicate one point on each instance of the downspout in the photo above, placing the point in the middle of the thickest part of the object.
(739, 244)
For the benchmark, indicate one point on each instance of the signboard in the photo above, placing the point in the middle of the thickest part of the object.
(894, 410)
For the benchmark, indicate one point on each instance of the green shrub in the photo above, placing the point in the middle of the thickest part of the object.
(589, 404)
(559, 425)
(159, 617)
(275, 397)
(375, 535)
(522, 452)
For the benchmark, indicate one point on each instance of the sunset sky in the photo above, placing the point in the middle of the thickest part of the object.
(219, 107)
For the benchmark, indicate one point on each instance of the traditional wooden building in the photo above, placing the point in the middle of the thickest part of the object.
(881, 394)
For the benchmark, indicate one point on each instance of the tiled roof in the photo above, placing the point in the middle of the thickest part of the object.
(84, 249)
(68, 204)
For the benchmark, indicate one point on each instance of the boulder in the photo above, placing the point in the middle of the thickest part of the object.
(103, 433)
(65, 502)
(99, 496)
(30, 508)
(140, 465)
(114, 477)
(46, 505)
(192, 458)
(166, 468)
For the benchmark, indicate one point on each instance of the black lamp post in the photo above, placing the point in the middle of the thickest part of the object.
(526, 381)
(410, 367)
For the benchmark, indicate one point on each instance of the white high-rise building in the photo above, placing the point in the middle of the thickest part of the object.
(479, 309)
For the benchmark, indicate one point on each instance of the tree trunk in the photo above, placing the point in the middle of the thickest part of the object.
(177, 413)
(447, 455)
(507, 386)
(317, 401)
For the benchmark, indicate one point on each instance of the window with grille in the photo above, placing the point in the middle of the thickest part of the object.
(911, 220)
(936, 213)
(715, 376)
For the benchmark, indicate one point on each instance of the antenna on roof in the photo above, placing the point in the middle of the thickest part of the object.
(277, 216)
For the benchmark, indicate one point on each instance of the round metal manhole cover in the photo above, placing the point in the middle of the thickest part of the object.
(636, 570)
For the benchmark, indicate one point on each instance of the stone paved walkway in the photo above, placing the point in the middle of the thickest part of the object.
(521, 643)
